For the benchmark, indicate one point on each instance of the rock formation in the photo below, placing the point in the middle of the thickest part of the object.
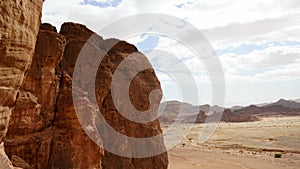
(71, 147)
(44, 131)
(227, 116)
(20, 21)
(32, 119)
(139, 92)
(187, 113)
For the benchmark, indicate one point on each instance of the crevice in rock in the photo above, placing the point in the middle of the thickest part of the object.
(17, 97)
(58, 69)
(60, 75)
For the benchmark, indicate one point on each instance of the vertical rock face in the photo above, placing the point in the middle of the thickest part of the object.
(30, 131)
(140, 88)
(19, 25)
(44, 129)
(71, 147)
(20, 21)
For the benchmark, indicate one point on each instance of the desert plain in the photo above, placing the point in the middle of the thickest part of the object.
(249, 145)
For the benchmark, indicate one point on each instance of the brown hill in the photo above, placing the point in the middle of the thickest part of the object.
(172, 111)
(271, 110)
(186, 108)
(285, 103)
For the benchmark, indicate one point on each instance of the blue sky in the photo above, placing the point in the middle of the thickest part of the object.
(257, 42)
(147, 44)
(102, 3)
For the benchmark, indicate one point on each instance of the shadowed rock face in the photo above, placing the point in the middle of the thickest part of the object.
(44, 118)
(32, 119)
(71, 147)
(44, 129)
(140, 88)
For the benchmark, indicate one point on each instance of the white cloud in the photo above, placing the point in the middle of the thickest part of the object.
(260, 31)
(289, 72)
(270, 64)
(226, 23)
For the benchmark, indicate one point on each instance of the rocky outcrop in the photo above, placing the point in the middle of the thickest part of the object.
(19, 20)
(140, 90)
(172, 111)
(44, 118)
(227, 116)
(32, 119)
(71, 147)
(44, 129)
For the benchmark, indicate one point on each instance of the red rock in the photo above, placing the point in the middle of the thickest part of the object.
(19, 26)
(48, 27)
(19, 22)
(44, 118)
(74, 31)
(139, 90)
(32, 119)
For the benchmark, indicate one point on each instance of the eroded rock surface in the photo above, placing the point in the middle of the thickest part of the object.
(19, 25)
(30, 133)
(71, 147)
(20, 21)
(44, 129)
(140, 88)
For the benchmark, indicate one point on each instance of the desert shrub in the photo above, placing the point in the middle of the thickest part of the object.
(277, 155)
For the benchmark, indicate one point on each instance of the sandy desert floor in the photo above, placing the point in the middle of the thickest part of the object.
(241, 146)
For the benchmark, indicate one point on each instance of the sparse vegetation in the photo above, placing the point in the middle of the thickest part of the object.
(277, 155)
(272, 139)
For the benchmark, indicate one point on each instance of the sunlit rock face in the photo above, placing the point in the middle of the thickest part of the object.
(44, 129)
(20, 21)
(19, 25)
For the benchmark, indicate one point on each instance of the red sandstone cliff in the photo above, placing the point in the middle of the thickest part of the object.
(44, 130)
(19, 25)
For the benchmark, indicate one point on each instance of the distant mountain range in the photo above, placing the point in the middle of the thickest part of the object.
(286, 103)
(281, 102)
(174, 110)
(280, 108)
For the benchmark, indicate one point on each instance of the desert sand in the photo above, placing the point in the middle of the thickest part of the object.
(249, 145)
